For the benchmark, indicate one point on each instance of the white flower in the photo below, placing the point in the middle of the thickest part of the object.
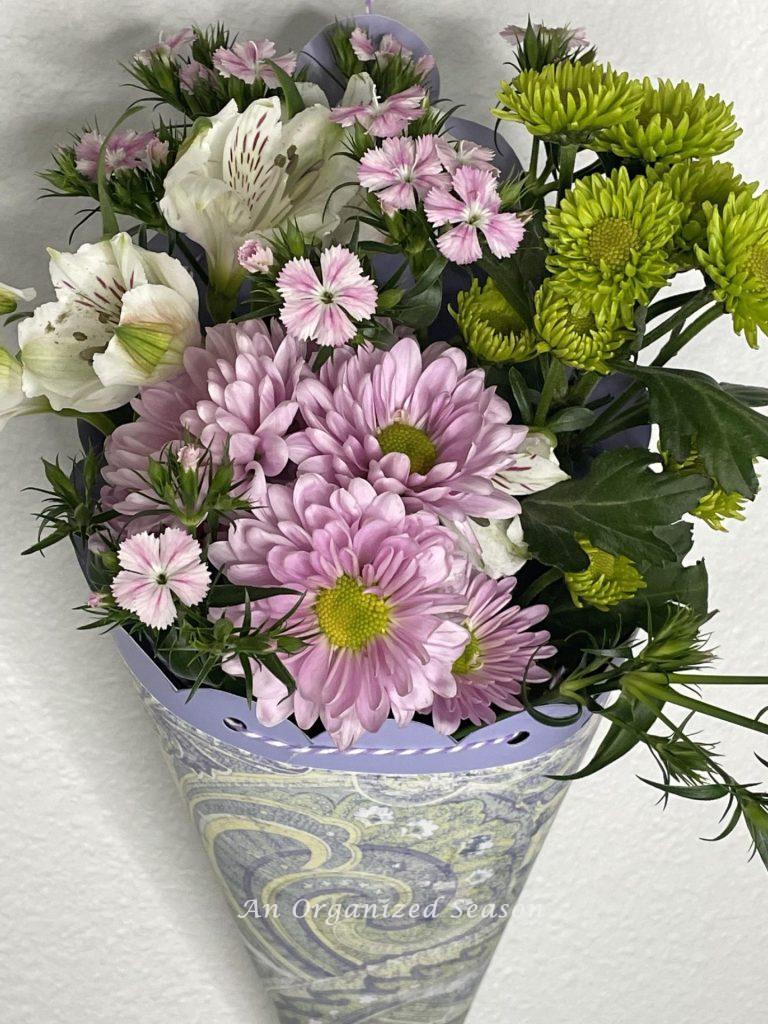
(375, 815)
(13, 401)
(535, 468)
(10, 296)
(122, 319)
(242, 175)
(497, 546)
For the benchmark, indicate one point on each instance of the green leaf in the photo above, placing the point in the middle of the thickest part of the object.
(693, 410)
(225, 595)
(575, 418)
(755, 398)
(621, 506)
(756, 818)
(631, 719)
(294, 104)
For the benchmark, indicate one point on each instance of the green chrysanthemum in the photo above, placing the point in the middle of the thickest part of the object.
(694, 183)
(569, 102)
(735, 256)
(573, 335)
(608, 580)
(718, 504)
(610, 241)
(673, 123)
(492, 329)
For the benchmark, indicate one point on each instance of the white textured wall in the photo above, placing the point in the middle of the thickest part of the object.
(108, 908)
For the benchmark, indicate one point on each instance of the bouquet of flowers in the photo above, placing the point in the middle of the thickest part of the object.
(368, 406)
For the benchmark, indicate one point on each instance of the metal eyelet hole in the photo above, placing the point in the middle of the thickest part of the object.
(519, 737)
(235, 725)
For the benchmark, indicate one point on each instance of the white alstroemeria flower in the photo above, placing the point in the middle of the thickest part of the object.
(13, 401)
(123, 318)
(241, 175)
(10, 297)
(497, 547)
(535, 467)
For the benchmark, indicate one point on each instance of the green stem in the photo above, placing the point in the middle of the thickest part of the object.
(533, 167)
(634, 417)
(583, 388)
(697, 680)
(671, 302)
(539, 585)
(554, 375)
(700, 298)
(671, 696)
(567, 164)
(678, 341)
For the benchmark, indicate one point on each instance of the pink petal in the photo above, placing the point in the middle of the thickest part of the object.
(460, 244)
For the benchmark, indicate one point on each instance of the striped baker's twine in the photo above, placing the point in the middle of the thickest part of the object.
(236, 725)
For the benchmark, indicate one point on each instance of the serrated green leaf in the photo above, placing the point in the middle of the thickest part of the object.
(621, 506)
(693, 410)
(755, 398)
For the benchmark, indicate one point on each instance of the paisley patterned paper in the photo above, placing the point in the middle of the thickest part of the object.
(366, 897)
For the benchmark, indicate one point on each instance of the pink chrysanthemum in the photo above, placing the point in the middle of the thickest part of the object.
(126, 150)
(194, 72)
(414, 423)
(236, 392)
(326, 309)
(474, 207)
(501, 654)
(248, 62)
(383, 118)
(255, 257)
(379, 613)
(402, 169)
(154, 570)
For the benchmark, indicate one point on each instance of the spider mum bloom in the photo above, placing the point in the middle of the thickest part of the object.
(417, 424)
(473, 206)
(402, 170)
(573, 334)
(610, 242)
(248, 62)
(607, 581)
(492, 328)
(157, 569)
(237, 394)
(379, 613)
(673, 123)
(695, 183)
(380, 118)
(569, 102)
(500, 656)
(735, 257)
(327, 308)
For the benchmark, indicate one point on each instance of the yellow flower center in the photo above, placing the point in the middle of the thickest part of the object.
(757, 263)
(470, 659)
(410, 441)
(349, 616)
(583, 324)
(611, 242)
